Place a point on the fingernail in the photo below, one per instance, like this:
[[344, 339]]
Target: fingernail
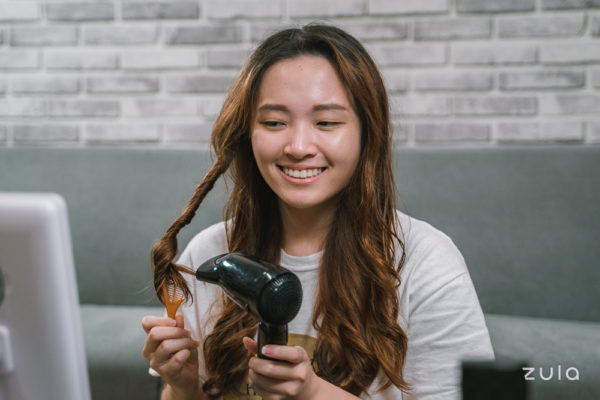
[[265, 350]]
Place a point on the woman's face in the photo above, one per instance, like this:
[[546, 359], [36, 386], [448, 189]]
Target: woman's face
[[305, 133]]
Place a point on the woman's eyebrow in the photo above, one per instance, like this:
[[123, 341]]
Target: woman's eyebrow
[[273, 107], [329, 106], [316, 107]]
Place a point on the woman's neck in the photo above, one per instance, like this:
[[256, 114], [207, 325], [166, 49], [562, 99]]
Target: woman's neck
[[305, 230]]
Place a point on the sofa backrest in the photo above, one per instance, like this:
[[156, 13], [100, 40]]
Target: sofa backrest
[[526, 219]]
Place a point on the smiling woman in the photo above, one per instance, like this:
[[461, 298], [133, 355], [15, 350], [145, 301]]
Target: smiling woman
[[389, 308]]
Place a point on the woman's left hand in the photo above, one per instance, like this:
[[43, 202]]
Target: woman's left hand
[[290, 378]]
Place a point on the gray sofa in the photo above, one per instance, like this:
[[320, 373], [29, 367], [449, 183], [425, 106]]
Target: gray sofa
[[527, 220]]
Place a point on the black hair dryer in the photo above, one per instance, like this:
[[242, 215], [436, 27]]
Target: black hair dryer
[[269, 292]]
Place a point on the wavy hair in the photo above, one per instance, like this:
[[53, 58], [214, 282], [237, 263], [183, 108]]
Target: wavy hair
[[356, 309]]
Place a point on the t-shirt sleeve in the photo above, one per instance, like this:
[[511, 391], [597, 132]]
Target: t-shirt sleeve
[[445, 323]]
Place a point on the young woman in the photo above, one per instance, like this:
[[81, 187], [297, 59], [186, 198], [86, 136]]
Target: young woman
[[389, 309]]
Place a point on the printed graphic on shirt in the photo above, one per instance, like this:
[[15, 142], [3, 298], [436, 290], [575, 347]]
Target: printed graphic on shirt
[[304, 341]]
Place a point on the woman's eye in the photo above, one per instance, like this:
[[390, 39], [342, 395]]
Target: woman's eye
[[272, 124], [327, 124]]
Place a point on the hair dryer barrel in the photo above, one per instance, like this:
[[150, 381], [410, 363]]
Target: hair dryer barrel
[[268, 291]]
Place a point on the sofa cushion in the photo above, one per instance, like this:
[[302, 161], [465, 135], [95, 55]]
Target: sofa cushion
[[546, 345], [114, 338]]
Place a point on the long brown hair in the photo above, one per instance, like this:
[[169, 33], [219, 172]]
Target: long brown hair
[[357, 307]]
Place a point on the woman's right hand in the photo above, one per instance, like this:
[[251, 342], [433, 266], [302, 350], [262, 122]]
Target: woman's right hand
[[172, 353]]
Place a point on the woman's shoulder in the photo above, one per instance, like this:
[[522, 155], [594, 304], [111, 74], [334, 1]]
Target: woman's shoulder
[[428, 251]]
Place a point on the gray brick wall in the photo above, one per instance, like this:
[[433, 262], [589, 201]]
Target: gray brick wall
[[152, 72]]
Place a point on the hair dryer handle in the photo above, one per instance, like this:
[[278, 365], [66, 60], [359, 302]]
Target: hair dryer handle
[[271, 334]]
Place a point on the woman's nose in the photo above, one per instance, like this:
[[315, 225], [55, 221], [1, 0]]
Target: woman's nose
[[301, 142]]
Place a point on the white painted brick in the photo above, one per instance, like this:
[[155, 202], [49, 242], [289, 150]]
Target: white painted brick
[[19, 59], [19, 11], [493, 54], [596, 78], [34, 134], [487, 6], [541, 27], [455, 28], [186, 133], [573, 52], [395, 80], [54, 85], [400, 132], [79, 11], [593, 132], [159, 107], [210, 106], [160, 10], [329, 8], [22, 108], [81, 60], [160, 59], [82, 108], [261, 30], [451, 132], [205, 34], [123, 84], [495, 106], [227, 58], [452, 80], [568, 104], [377, 29], [122, 133], [414, 105], [595, 26], [119, 35], [539, 132], [408, 54], [243, 9], [567, 79], [407, 6], [43, 36], [200, 83], [569, 4]]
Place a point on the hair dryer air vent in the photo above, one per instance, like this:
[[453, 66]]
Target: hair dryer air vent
[[280, 299]]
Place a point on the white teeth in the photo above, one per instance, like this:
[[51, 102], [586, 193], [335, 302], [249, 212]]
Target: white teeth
[[305, 173]]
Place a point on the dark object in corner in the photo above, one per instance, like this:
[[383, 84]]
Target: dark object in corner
[[493, 380]]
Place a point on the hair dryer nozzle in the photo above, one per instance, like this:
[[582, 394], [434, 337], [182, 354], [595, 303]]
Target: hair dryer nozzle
[[209, 271]]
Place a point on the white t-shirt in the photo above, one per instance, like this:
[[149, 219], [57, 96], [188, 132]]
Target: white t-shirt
[[439, 309]]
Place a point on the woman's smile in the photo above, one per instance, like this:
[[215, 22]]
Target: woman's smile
[[301, 176]]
